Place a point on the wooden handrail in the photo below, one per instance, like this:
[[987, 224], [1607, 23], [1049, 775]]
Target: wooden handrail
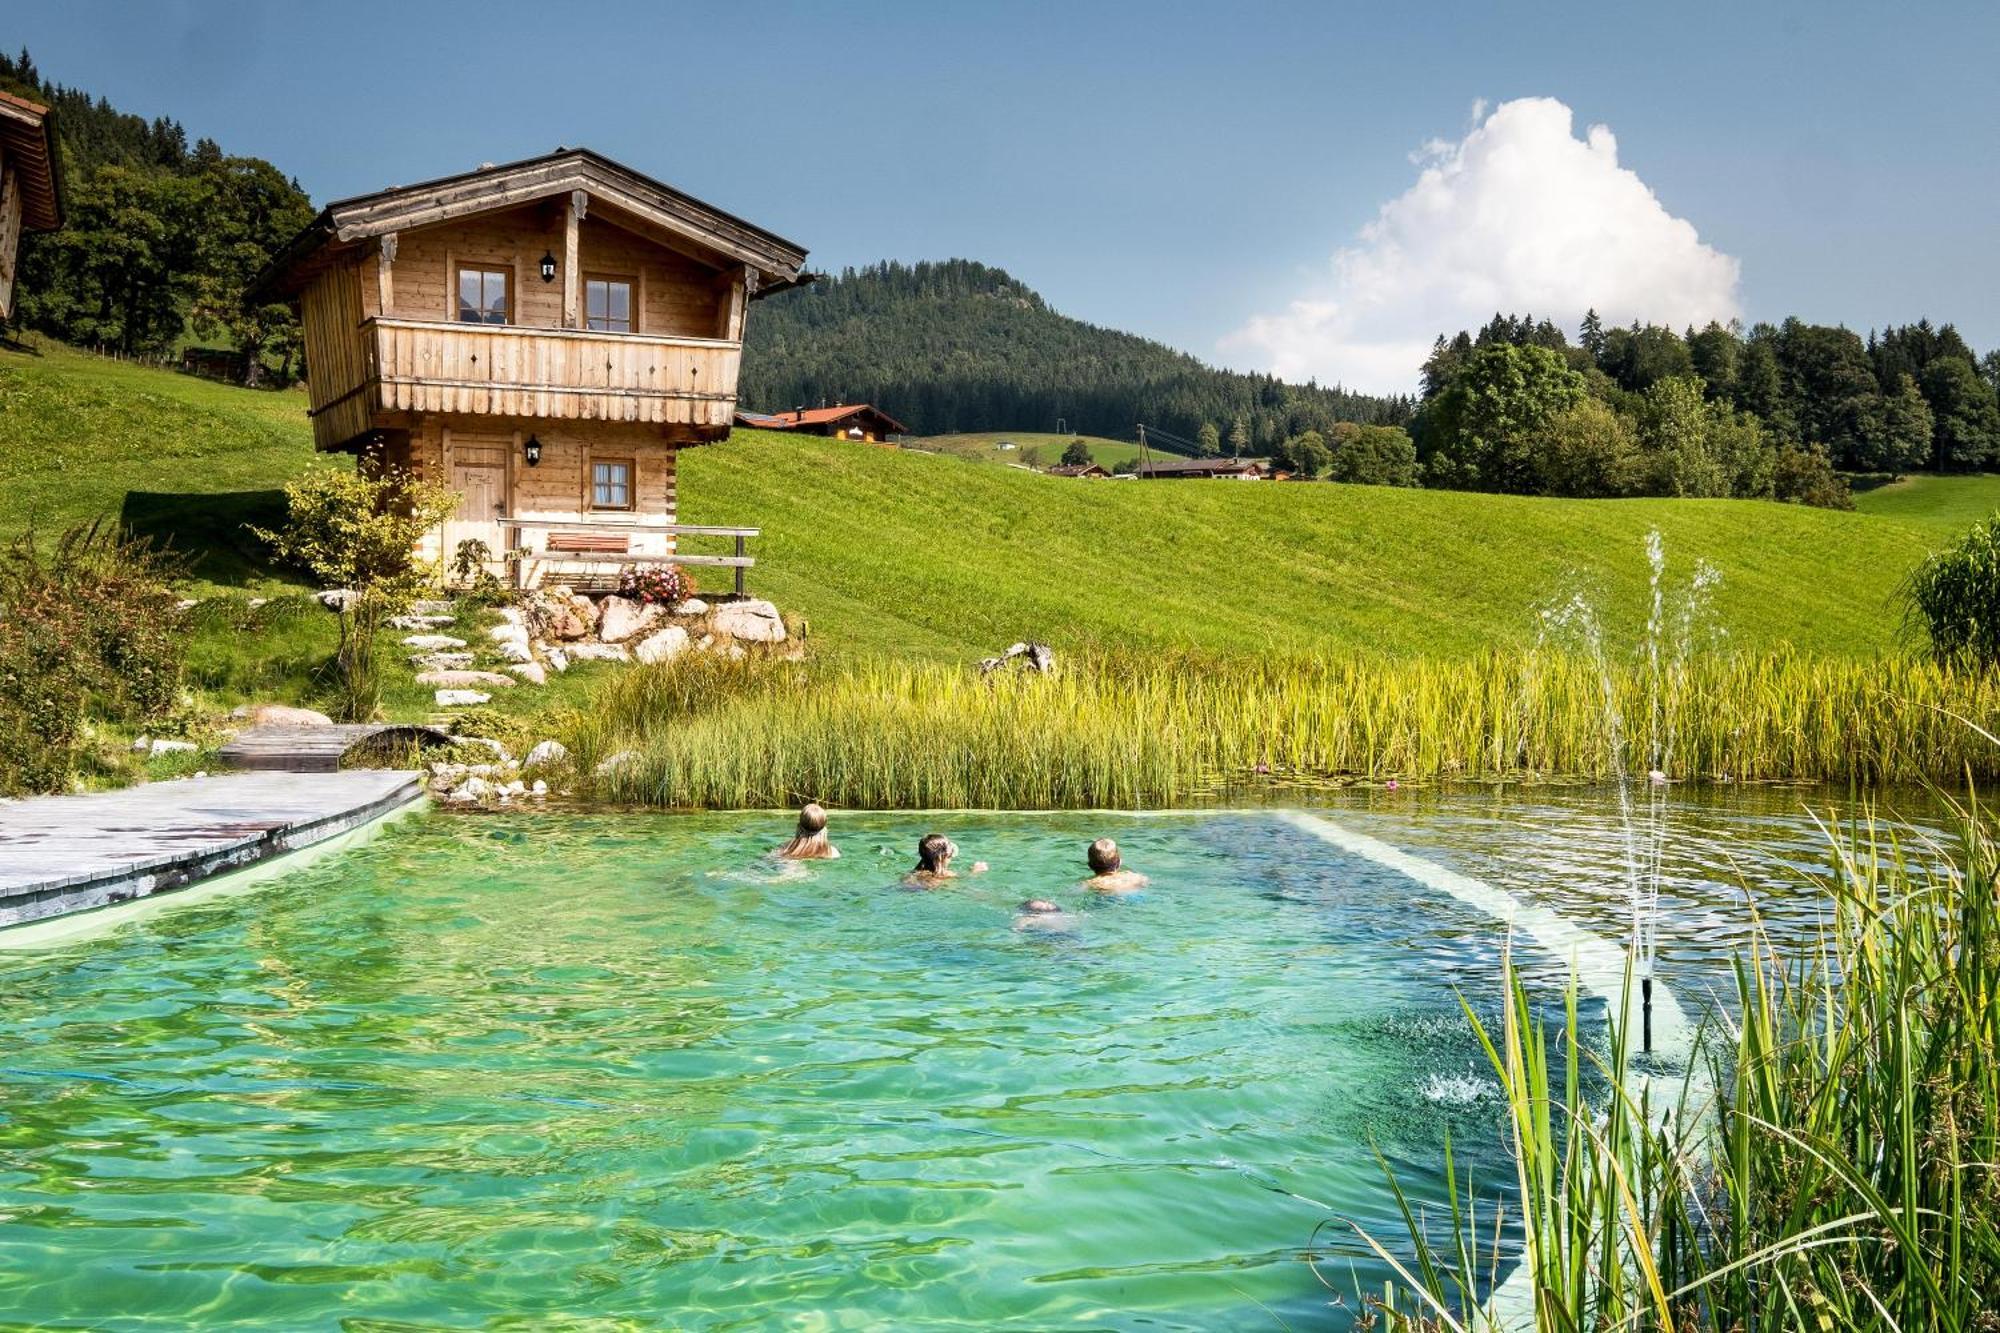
[[627, 525], [530, 331]]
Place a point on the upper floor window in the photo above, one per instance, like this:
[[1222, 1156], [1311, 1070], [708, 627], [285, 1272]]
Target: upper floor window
[[607, 305], [485, 295]]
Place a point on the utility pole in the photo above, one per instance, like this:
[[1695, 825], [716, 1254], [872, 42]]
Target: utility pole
[[1145, 454]]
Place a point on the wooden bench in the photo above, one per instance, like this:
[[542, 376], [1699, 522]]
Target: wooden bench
[[600, 547], [588, 543]]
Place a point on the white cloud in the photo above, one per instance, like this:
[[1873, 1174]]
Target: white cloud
[[1519, 216]]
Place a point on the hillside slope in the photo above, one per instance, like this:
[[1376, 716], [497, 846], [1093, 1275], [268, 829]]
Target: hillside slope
[[896, 552], [957, 346], [1946, 504]]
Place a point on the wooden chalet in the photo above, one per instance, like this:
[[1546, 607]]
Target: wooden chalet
[[1079, 470], [542, 337], [30, 183], [1225, 469], [843, 421]]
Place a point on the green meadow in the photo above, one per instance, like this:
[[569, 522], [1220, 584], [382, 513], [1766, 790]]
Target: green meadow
[[1945, 505], [984, 447], [901, 554]]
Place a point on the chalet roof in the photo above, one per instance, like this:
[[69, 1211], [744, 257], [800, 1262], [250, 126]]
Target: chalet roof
[[652, 205], [28, 137], [1202, 467], [1078, 470], [822, 416]]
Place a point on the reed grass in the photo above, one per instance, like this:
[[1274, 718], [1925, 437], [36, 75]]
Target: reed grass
[[1145, 732], [1844, 1174]]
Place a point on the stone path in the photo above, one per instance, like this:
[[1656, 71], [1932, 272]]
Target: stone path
[[62, 854]]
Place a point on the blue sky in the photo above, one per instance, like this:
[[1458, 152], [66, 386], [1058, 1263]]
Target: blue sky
[[1187, 172]]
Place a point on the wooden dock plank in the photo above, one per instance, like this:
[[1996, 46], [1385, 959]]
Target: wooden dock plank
[[61, 854]]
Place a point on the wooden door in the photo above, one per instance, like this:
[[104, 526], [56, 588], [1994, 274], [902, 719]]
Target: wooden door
[[480, 478]]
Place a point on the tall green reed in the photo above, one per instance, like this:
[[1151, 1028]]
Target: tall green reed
[[1129, 731], [1837, 1168]]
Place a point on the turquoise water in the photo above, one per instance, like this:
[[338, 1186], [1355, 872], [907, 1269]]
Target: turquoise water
[[616, 1071], [624, 1071]]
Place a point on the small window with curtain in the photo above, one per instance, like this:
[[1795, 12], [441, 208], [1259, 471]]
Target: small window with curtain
[[483, 296], [607, 305], [610, 484]]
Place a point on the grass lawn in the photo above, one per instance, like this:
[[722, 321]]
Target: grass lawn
[[174, 456], [1946, 505], [906, 554], [982, 446], [901, 553]]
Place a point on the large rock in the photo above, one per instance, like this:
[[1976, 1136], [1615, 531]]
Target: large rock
[[461, 698], [622, 618], [441, 661], [545, 754], [431, 643], [280, 715], [513, 651], [749, 622], [531, 672], [464, 678], [598, 652], [557, 659], [616, 762], [335, 599], [693, 606], [553, 614], [664, 646], [420, 623], [508, 634]]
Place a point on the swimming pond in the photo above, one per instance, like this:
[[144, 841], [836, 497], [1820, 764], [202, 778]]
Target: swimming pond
[[537, 1070]]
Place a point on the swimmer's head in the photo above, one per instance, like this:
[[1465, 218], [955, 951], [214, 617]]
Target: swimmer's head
[[934, 852], [812, 819], [1040, 907], [1103, 856]]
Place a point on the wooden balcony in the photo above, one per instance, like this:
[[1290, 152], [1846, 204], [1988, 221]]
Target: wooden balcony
[[559, 374]]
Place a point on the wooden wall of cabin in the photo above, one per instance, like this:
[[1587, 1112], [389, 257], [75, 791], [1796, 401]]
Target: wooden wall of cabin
[[673, 295], [555, 490], [336, 354], [10, 232]]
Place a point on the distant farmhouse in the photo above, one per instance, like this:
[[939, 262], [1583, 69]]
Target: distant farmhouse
[[543, 338], [1078, 470], [30, 183], [845, 421], [1226, 469]]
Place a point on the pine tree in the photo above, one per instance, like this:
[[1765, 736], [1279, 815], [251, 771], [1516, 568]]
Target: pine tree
[[1239, 438]]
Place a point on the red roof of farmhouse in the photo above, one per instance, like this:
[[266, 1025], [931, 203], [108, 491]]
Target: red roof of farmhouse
[[820, 416]]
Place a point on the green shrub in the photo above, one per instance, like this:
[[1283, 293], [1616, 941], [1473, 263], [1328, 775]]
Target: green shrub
[[90, 628], [359, 530], [1954, 598]]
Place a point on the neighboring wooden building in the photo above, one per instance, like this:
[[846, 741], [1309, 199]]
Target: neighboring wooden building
[[1078, 470], [30, 183], [1226, 469], [542, 337], [844, 421]]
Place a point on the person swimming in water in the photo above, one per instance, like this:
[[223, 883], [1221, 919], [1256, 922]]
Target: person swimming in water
[[810, 842], [934, 857], [1107, 870], [1041, 915]]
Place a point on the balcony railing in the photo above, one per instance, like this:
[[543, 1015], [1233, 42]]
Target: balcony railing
[[566, 374]]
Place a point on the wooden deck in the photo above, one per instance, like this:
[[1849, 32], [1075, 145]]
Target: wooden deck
[[319, 749], [63, 854]]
